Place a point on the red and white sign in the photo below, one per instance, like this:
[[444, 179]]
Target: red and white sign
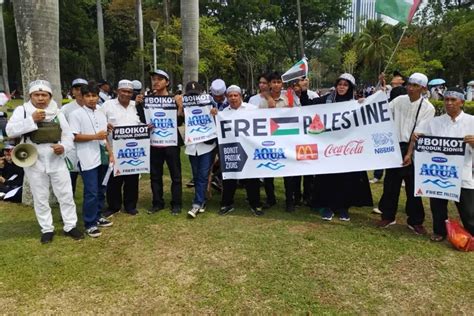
[[353, 147]]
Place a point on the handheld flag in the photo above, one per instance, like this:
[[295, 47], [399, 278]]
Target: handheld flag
[[400, 10], [300, 69]]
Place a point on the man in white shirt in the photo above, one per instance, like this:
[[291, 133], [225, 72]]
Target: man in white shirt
[[455, 123], [67, 109], [120, 112], [234, 96], [263, 90], [89, 127], [28, 122], [409, 111]]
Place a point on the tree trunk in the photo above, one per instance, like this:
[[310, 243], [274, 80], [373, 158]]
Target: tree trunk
[[3, 53], [139, 17], [190, 35], [37, 28], [100, 34], [166, 13], [300, 28]]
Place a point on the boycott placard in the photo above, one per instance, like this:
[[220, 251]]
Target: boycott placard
[[200, 124], [438, 167], [316, 139], [161, 112], [131, 149]]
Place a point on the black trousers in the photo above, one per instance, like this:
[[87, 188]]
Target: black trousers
[[170, 155], [391, 193], [73, 175], [130, 192], [292, 189], [269, 187], [465, 206], [252, 186]]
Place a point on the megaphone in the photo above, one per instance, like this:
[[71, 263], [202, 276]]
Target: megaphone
[[24, 155]]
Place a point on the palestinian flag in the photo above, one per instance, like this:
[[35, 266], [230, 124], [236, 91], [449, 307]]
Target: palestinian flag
[[400, 10], [281, 126], [299, 70]]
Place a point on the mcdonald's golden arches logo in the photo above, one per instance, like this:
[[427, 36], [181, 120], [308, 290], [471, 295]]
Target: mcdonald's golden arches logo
[[307, 152]]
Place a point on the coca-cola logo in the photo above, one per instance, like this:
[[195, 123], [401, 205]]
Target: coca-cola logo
[[353, 147]]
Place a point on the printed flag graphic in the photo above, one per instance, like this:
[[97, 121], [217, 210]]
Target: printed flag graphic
[[280, 126], [400, 10], [300, 69]]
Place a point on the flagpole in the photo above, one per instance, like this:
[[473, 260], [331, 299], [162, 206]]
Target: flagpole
[[396, 47]]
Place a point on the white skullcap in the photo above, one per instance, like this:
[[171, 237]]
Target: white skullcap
[[137, 85], [419, 79], [348, 77], [218, 87], [125, 84], [79, 82], [40, 85], [234, 88]]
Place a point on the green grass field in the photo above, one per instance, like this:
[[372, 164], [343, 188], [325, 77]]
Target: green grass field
[[276, 264]]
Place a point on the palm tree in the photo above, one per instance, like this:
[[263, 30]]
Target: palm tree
[[374, 44], [3, 52], [190, 35], [37, 28], [100, 32]]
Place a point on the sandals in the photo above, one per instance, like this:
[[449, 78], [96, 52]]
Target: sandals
[[437, 238]]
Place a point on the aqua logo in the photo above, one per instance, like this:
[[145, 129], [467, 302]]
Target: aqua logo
[[443, 172], [131, 153], [272, 154]]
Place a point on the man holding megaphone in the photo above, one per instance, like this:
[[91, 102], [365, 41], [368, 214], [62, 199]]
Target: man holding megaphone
[[40, 125]]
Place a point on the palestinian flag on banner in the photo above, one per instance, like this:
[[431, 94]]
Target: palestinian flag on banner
[[282, 126], [300, 69], [400, 10]]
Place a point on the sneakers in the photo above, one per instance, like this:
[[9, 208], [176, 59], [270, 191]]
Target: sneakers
[[93, 232], [326, 214], [176, 210], [226, 210], [109, 213], [155, 209], [257, 211], [384, 223], [202, 209], [46, 238], [376, 210], [268, 205], [132, 212], [193, 211], [103, 222], [344, 215], [417, 229], [374, 180], [74, 234]]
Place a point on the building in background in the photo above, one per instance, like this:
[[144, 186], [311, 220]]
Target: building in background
[[360, 11]]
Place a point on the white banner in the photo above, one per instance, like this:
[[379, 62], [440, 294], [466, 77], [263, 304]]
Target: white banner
[[316, 139], [438, 167], [200, 125], [131, 149], [161, 112]]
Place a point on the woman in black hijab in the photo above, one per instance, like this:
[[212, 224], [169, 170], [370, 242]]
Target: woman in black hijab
[[337, 192]]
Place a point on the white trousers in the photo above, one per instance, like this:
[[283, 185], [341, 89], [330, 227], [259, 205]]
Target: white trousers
[[61, 183]]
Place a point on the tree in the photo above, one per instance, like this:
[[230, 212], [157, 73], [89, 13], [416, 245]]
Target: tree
[[100, 33], [190, 31], [139, 18], [374, 45], [3, 52], [37, 27]]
